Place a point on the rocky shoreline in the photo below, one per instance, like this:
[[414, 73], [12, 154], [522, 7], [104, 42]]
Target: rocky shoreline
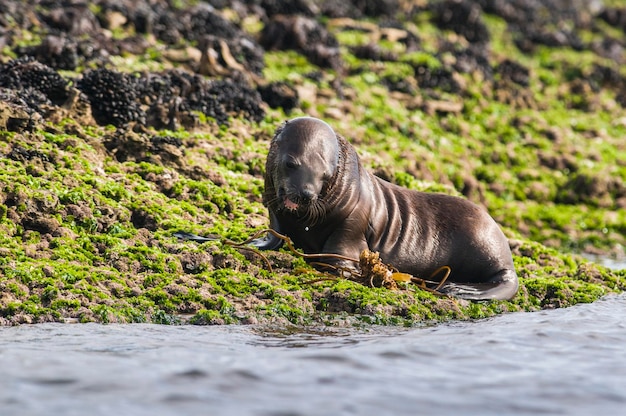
[[124, 122]]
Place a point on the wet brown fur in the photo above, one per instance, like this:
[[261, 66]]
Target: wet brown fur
[[349, 209]]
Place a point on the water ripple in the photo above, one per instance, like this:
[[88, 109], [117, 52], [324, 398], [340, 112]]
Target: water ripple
[[568, 361]]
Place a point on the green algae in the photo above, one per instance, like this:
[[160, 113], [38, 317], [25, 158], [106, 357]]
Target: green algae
[[100, 248]]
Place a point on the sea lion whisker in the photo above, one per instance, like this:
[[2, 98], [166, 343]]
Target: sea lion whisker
[[315, 213]]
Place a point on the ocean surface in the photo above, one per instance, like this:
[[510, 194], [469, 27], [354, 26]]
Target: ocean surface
[[560, 362]]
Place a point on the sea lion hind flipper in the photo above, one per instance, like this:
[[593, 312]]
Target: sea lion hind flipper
[[502, 286]]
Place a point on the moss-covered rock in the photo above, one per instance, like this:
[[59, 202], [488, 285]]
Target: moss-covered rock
[[100, 167]]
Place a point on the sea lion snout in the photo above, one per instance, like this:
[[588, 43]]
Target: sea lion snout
[[306, 196], [295, 199]]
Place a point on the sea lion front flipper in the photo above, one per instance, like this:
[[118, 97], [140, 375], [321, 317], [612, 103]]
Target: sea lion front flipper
[[269, 241], [193, 237]]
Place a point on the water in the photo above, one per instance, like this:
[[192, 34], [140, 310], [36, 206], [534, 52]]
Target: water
[[561, 362]]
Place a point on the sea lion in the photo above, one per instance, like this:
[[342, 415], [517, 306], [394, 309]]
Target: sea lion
[[319, 195]]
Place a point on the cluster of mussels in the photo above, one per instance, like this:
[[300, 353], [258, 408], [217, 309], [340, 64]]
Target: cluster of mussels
[[225, 76]]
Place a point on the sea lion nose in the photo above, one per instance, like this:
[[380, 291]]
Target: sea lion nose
[[307, 195]]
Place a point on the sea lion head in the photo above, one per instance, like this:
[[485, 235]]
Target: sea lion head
[[302, 161]]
